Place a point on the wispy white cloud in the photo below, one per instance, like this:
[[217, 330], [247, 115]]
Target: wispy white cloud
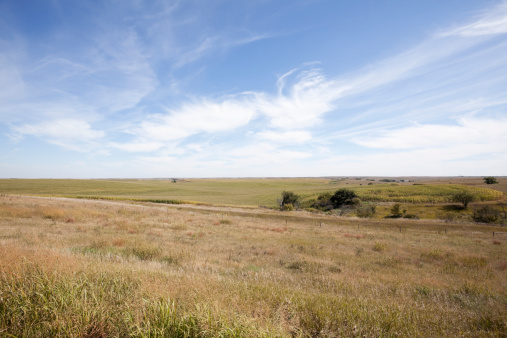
[[310, 95], [11, 82], [260, 154], [306, 100], [64, 129], [453, 160], [77, 135], [443, 95], [491, 22], [468, 131], [213, 44], [199, 117], [286, 137], [138, 146], [197, 52]]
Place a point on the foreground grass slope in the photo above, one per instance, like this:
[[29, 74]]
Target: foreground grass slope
[[92, 268]]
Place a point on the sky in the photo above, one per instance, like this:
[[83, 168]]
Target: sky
[[252, 88]]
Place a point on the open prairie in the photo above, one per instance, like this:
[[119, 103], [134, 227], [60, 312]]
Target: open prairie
[[257, 191], [422, 197], [110, 268]]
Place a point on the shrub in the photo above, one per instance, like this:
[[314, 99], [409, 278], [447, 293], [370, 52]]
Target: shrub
[[288, 207], [490, 180], [486, 214], [355, 201], [323, 202], [343, 197], [288, 197], [366, 211], [396, 211], [379, 247]]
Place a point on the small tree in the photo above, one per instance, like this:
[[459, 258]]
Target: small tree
[[490, 180], [343, 197], [464, 197], [396, 211], [288, 197]]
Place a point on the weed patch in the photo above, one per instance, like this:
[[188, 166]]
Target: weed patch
[[379, 247], [143, 251]]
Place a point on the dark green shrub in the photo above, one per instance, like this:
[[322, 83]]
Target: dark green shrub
[[486, 214], [490, 180], [343, 197], [323, 202], [288, 197]]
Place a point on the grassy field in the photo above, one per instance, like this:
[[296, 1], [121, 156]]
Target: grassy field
[[251, 192], [100, 268]]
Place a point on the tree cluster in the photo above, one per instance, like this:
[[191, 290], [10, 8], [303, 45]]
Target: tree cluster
[[344, 200], [289, 201]]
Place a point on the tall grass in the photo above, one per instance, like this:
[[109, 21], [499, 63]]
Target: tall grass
[[125, 270], [36, 303]]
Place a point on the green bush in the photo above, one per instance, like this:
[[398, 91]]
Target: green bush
[[288, 197], [490, 180], [486, 214], [323, 202], [343, 197]]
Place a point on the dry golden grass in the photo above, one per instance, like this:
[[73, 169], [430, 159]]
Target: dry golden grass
[[164, 270]]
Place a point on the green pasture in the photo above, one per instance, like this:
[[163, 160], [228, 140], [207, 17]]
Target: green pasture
[[244, 192]]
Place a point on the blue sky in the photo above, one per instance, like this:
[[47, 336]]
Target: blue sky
[[119, 88]]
